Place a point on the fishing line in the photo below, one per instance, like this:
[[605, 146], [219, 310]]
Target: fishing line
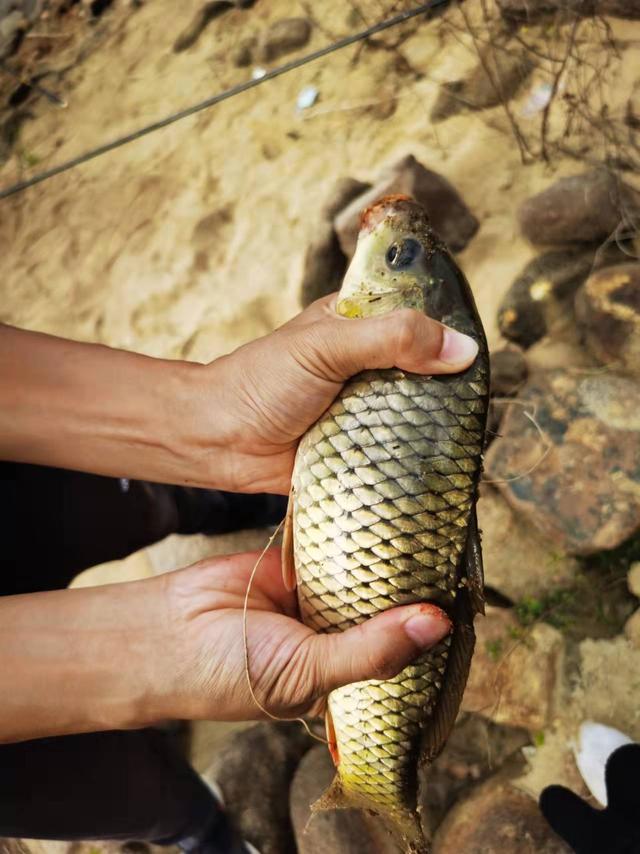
[[245, 642], [225, 95]]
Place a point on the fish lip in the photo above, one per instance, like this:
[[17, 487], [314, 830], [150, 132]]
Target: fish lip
[[381, 208]]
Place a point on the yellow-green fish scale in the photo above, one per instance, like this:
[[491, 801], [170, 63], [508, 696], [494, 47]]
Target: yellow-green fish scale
[[383, 487]]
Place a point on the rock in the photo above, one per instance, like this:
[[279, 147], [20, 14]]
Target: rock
[[516, 677], [450, 216], [578, 482], [632, 629], [497, 819], [495, 80], [332, 831], [254, 769], [324, 262], [541, 293], [474, 750], [344, 191], [12, 28], [203, 17], [508, 371], [518, 562], [633, 579], [562, 349], [583, 208], [283, 36], [608, 311], [324, 266]]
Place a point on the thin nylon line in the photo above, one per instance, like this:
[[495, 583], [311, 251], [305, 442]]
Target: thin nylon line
[[221, 96]]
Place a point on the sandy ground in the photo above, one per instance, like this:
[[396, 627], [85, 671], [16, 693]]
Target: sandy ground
[[190, 241]]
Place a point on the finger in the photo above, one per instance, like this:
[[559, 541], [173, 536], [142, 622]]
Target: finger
[[572, 818], [377, 649], [405, 339]]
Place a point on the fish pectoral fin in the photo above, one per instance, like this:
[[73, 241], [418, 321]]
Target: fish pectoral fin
[[473, 567], [288, 562]]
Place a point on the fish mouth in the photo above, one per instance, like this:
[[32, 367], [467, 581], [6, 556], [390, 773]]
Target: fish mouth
[[395, 204]]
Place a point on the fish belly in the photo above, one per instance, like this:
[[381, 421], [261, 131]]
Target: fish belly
[[382, 492]]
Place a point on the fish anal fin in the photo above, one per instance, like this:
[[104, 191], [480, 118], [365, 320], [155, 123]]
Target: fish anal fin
[[439, 726], [333, 798], [288, 561]]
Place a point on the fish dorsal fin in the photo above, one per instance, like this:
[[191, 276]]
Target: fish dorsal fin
[[288, 561], [472, 564]]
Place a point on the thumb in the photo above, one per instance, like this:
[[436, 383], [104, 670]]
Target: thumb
[[376, 649], [405, 339]]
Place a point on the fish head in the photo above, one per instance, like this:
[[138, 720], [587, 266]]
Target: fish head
[[400, 262]]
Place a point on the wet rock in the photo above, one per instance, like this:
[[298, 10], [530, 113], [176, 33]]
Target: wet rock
[[332, 831], [497, 819], [541, 294], [578, 482], [633, 579], [475, 749], [254, 769], [324, 266], [518, 562], [282, 37], [608, 311], [632, 629], [516, 675], [508, 371], [583, 208], [450, 216], [495, 80]]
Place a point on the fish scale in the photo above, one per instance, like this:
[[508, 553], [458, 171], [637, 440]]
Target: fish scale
[[371, 534]]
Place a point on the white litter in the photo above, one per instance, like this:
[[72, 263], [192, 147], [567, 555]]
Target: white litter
[[596, 743], [537, 100], [307, 97], [258, 72]]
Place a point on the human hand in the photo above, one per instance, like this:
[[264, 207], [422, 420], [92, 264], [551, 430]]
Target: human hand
[[270, 391], [292, 668]]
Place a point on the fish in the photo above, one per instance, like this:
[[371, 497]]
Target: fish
[[382, 514]]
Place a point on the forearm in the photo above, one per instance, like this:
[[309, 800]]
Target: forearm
[[82, 660], [110, 412]]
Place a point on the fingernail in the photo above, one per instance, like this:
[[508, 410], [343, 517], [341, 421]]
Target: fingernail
[[457, 348], [428, 627]]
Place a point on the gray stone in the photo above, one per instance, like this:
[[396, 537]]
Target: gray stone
[[508, 370], [332, 831], [497, 818], [282, 37], [497, 77], [254, 769], [344, 191], [450, 216], [578, 482], [583, 208], [608, 311]]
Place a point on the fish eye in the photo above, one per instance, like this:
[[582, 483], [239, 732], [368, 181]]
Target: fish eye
[[402, 254]]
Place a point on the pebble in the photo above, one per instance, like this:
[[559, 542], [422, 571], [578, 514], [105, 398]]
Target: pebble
[[282, 37], [583, 208], [608, 312], [497, 818], [579, 483], [449, 214], [496, 78], [254, 768]]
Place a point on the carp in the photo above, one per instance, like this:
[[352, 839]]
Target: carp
[[382, 513]]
